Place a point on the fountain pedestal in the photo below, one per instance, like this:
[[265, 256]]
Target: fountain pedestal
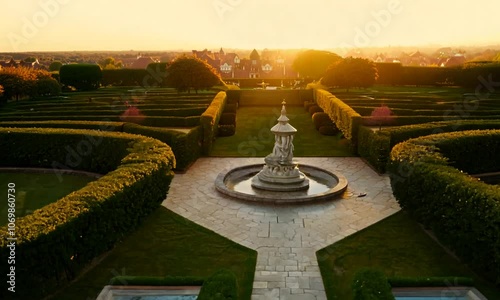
[[281, 173]]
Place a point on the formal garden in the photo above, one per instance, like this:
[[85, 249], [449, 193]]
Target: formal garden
[[114, 185]]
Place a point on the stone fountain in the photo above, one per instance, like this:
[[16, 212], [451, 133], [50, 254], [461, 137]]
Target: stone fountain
[[281, 173], [279, 179]]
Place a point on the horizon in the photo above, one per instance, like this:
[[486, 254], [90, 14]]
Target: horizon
[[70, 26]]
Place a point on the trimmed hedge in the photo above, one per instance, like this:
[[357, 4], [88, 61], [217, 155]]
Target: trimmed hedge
[[57, 241], [146, 121], [84, 77], [158, 112], [463, 212], [186, 146], [371, 284], [346, 119], [375, 146], [227, 119], [412, 120], [210, 121]]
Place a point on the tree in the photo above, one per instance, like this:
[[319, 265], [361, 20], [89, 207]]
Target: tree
[[314, 63], [22, 81], [186, 73], [47, 87], [382, 115], [1, 90], [55, 66], [110, 64], [83, 77], [351, 72], [17, 82]]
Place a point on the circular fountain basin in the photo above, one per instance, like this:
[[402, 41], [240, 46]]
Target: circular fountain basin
[[323, 185]]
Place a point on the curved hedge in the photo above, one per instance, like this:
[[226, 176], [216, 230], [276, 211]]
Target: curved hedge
[[375, 146], [346, 119], [185, 145], [463, 212], [57, 241], [210, 121]]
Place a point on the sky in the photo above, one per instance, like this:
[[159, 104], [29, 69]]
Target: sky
[[72, 25]]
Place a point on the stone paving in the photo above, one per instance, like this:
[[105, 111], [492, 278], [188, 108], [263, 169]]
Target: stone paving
[[286, 237]]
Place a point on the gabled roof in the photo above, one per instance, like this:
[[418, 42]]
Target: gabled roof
[[254, 55], [142, 63]]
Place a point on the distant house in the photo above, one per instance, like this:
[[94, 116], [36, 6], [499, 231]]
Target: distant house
[[456, 60], [141, 62], [12, 63], [269, 65]]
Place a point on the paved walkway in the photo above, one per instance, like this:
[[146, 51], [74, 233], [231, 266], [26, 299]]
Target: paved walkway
[[285, 237]]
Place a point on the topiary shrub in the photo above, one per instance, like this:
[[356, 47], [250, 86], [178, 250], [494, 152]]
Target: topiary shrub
[[314, 109], [329, 130], [226, 130], [321, 119], [227, 119], [308, 104], [371, 284]]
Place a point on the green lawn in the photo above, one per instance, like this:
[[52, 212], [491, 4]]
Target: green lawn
[[254, 138], [168, 244], [35, 190], [397, 246]]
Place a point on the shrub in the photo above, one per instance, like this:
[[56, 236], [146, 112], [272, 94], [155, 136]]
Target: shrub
[[210, 121], [308, 104], [47, 87], [329, 130], [370, 284], [227, 119], [321, 119], [83, 77], [463, 212], [57, 241], [314, 109], [220, 286], [226, 130]]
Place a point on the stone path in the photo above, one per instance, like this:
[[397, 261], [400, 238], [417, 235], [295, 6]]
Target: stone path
[[285, 237]]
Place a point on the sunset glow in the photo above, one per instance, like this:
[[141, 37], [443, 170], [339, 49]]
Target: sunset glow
[[48, 25]]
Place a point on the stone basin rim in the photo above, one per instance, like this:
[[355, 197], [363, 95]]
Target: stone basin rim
[[338, 189]]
